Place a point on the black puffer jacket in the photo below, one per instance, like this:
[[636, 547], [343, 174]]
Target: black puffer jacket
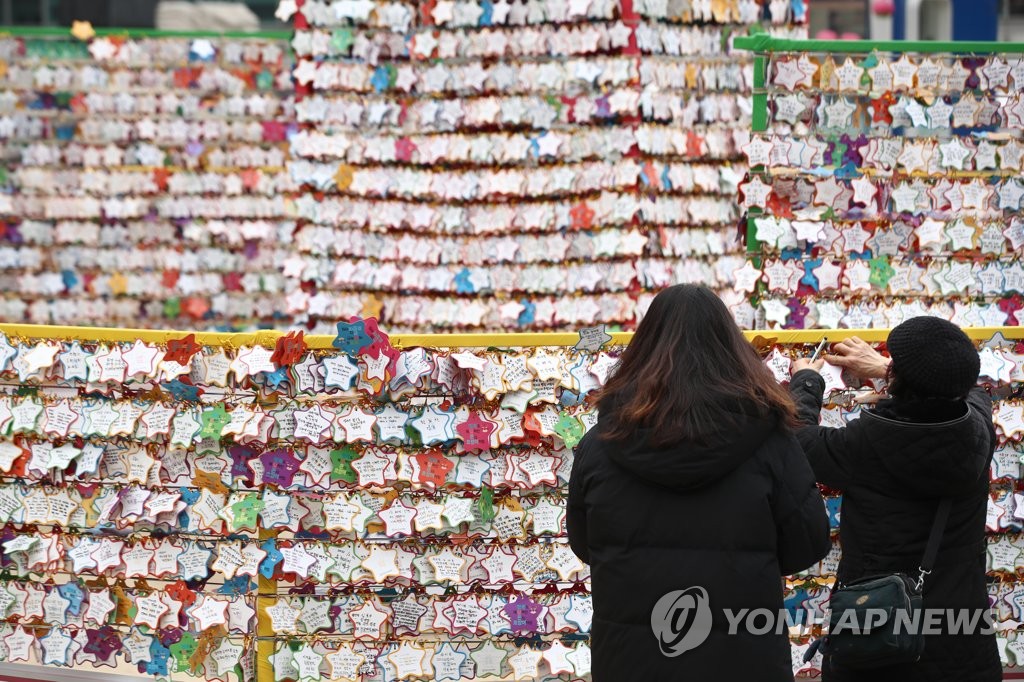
[[731, 518], [892, 466]]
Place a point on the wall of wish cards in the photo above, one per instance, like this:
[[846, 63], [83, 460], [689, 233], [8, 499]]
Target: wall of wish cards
[[143, 179], [347, 512], [886, 185], [274, 507], [448, 165], [532, 165]]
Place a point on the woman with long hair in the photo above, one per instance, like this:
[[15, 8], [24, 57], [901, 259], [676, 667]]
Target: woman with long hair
[[689, 500]]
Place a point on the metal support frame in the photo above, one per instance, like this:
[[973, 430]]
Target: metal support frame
[[497, 340], [764, 43]]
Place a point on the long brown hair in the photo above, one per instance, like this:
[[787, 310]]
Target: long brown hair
[[687, 374]]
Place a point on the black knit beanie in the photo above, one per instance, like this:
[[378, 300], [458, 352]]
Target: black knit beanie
[[933, 357]]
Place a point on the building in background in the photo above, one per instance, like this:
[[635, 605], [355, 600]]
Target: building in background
[[1011, 21], [874, 19], [839, 18], [918, 19], [176, 15], [949, 19]]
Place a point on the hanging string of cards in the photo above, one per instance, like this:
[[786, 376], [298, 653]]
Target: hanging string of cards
[[409, 504], [886, 188], [536, 165], [144, 180]]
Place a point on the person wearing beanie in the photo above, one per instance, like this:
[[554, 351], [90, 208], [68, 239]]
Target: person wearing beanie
[[931, 439]]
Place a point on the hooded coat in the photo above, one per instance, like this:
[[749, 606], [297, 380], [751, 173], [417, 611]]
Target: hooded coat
[[732, 518], [893, 465]]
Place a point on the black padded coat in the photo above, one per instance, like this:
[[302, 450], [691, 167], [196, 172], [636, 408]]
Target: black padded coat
[[893, 464], [731, 518]]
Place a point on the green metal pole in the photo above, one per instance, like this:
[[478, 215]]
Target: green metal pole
[[759, 114], [765, 43]]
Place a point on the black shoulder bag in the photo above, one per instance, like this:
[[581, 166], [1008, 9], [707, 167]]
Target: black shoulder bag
[[875, 621]]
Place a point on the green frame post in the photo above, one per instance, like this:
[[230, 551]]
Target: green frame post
[[762, 43], [759, 113]]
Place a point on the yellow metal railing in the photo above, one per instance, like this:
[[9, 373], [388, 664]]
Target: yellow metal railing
[[486, 340]]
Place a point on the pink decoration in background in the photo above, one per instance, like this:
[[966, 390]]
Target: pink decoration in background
[[883, 8]]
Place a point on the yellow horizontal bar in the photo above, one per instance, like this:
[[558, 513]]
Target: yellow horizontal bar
[[269, 337], [113, 334], [793, 336], [498, 340]]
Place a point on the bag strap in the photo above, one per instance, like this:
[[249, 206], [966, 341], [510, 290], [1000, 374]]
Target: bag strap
[[931, 550]]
